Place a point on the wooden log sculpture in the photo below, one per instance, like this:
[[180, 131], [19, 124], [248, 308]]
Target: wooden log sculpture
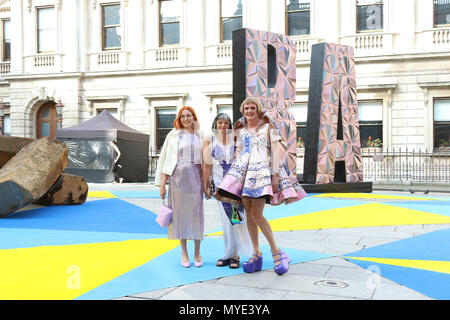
[[30, 173], [10, 146], [68, 189]]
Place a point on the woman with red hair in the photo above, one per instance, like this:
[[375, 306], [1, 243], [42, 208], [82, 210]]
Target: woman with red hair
[[180, 164]]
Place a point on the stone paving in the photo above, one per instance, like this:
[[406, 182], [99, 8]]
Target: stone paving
[[332, 278]]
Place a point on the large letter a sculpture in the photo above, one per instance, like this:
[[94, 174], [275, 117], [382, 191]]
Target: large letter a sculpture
[[332, 142]]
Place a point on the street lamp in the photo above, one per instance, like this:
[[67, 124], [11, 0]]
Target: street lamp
[[2, 114], [59, 107]]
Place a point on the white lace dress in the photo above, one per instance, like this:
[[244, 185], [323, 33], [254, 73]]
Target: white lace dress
[[236, 237]]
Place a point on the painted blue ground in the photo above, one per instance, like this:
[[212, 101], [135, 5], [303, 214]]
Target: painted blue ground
[[109, 215], [432, 284], [117, 220], [166, 271], [434, 246], [136, 194], [12, 238], [430, 246]]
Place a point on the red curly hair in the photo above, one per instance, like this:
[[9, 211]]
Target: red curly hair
[[177, 123]]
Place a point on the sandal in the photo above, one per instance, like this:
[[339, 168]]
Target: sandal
[[283, 265], [235, 263], [223, 262], [254, 264]]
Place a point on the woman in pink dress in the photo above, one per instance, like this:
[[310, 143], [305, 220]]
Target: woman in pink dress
[[256, 177], [180, 164]]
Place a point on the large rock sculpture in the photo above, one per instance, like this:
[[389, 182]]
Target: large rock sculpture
[[67, 190], [10, 146], [31, 173]]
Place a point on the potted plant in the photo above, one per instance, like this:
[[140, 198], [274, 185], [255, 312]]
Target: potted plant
[[374, 143], [444, 143]]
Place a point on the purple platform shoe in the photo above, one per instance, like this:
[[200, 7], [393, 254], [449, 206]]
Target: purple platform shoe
[[283, 267], [256, 265]]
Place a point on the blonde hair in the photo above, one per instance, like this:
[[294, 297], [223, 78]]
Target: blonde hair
[[250, 100]]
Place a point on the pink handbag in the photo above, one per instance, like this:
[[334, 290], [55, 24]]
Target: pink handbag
[[164, 216]]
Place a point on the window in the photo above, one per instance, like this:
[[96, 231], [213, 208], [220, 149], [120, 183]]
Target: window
[[164, 123], [47, 121], [231, 18], [6, 45], [300, 113], [297, 18], [442, 123], [225, 109], [113, 104], [169, 19], [369, 15], [111, 111], [112, 31], [371, 123], [46, 24], [7, 125], [441, 10]]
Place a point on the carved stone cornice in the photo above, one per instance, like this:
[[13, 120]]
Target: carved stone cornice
[[58, 4], [5, 5]]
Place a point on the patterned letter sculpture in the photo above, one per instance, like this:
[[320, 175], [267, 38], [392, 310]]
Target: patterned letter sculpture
[[264, 67], [332, 143]]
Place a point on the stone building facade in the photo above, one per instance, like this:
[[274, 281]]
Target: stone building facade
[[143, 59]]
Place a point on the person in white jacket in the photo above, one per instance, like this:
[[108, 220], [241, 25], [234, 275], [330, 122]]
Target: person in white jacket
[[180, 164]]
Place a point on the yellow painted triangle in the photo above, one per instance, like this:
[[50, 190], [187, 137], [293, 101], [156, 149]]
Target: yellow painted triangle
[[370, 196], [365, 215], [66, 272], [430, 265], [100, 194]]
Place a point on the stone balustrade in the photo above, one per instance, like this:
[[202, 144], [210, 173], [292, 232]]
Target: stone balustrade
[[5, 68]]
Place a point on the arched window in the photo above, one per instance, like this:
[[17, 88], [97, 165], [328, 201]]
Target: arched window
[[47, 121]]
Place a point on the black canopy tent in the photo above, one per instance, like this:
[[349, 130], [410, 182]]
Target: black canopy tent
[[91, 153]]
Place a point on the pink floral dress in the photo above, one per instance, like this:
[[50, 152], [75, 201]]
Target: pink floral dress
[[251, 171]]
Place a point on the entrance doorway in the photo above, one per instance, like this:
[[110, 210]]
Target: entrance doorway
[[47, 121]]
